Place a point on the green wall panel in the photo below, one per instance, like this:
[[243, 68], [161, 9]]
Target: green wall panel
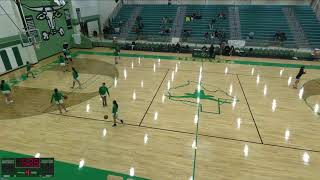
[[17, 55], [5, 60], [52, 37]]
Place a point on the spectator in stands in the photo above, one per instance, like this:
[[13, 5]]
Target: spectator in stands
[[133, 44], [211, 51], [213, 20], [206, 35], [204, 48], [197, 15], [222, 46], [280, 36], [232, 51], [251, 35], [221, 15], [216, 34], [212, 36], [210, 25], [178, 47], [226, 50], [187, 33]]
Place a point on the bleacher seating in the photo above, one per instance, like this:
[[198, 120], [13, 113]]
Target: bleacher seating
[[123, 15], [310, 24], [200, 26], [151, 18], [263, 20]]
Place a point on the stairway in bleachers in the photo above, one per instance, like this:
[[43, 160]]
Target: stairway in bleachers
[[310, 24], [295, 27], [234, 23]]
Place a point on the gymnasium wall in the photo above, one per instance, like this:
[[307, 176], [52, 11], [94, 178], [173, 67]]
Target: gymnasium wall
[[94, 8], [53, 31], [204, 2], [12, 54]]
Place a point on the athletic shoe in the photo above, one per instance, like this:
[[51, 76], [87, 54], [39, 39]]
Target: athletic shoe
[[121, 121], [114, 125]]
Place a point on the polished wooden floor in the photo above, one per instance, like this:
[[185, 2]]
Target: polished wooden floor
[[246, 140]]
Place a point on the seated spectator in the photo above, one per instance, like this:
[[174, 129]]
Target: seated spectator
[[251, 35], [213, 20], [226, 50], [178, 47], [232, 51], [204, 48], [210, 25], [187, 33], [212, 36], [133, 44], [221, 15], [206, 35], [197, 15], [216, 34]]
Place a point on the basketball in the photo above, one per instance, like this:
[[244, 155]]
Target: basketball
[[105, 116], [65, 97]]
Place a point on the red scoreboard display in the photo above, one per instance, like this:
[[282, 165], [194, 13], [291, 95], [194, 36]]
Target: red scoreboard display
[[27, 167]]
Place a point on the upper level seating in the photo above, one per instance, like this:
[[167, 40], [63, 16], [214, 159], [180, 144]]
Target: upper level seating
[[264, 21], [310, 24], [151, 18], [200, 26]]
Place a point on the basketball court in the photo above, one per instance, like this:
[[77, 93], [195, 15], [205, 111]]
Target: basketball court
[[183, 119]]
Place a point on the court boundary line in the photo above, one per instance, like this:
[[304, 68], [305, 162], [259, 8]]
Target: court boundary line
[[245, 97], [154, 97]]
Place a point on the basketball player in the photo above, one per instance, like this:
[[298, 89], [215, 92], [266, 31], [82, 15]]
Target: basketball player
[[67, 54], [58, 100], [75, 76], [62, 63], [6, 91], [28, 65], [103, 91], [116, 54], [301, 72], [115, 113]]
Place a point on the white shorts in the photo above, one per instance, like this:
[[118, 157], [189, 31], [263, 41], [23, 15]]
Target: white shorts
[[68, 56], [62, 64], [103, 95], [6, 92], [59, 102]]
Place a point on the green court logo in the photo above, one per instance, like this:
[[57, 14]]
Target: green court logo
[[210, 97]]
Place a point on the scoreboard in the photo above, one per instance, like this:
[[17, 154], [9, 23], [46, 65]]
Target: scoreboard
[[27, 167]]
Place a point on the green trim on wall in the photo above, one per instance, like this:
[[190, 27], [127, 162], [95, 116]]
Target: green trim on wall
[[17, 55], [9, 41], [5, 60]]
